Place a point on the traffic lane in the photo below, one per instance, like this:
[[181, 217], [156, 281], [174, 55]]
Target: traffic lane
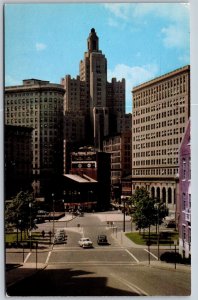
[[95, 231], [155, 281], [16, 257], [37, 256], [58, 280], [91, 255], [103, 280]]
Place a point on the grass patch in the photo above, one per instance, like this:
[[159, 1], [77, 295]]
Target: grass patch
[[165, 238], [12, 237]]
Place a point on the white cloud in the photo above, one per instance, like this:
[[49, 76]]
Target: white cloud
[[40, 46], [133, 75], [174, 36], [119, 10], [127, 11], [113, 22]]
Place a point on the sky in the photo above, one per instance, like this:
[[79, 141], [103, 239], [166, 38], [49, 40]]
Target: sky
[[141, 41]]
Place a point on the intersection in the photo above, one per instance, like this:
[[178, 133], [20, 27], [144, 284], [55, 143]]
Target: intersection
[[121, 268]]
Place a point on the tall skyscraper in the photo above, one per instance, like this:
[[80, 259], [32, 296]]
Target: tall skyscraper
[[161, 109], [102, 104]]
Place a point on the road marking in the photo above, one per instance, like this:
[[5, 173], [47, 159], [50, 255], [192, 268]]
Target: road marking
[[95, 249], [48, 256], [151, 254], [94, 263], [132, 286], [27, 257], [132, 255]]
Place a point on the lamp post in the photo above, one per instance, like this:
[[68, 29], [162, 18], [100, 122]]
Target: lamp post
[[157, 210], [124, 201], [20, 228], [17, 226], [30, 231], [65, 212], [53, 213]]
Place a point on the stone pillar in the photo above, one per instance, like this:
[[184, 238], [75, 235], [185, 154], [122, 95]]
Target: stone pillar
[[166, 196], [172, 193]]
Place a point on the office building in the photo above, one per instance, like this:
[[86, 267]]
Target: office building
[[89, 95], [119, 147], [18, 159], [161, 109], [39, 105]]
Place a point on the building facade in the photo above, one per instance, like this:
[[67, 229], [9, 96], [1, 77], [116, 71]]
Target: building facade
[[119, 147], [89, 95], [88, 183], [39, 105], [18, 159], [184, 196], [161, 109]]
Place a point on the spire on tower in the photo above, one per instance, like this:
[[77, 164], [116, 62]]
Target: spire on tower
[[92, 41]]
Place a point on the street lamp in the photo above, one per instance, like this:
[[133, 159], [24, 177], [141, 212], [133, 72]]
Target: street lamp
[[124, 201], [30, 231], [157, 210], [65, 212], [20, 228], [53, 213]]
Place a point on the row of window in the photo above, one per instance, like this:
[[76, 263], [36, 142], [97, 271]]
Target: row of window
[[158, 143], [153, 162], [162, 172], [32, 101], [160, 96]]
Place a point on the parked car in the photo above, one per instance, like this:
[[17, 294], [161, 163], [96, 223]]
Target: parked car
[[60, 236], [102, 240], [85, 243], [59, 239], [170, 224], [43, 212]]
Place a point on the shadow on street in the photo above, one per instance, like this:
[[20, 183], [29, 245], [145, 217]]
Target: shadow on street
[[64, 282]]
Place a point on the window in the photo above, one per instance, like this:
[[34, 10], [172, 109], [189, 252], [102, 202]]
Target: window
[[189, 200], [189, 167], [184, 168], [184, 232], [183, 201]]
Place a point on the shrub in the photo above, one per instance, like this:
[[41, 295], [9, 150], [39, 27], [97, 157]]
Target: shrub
[[171, 257]]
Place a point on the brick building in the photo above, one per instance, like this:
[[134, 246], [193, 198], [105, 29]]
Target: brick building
[[184, 195], [88, 183]]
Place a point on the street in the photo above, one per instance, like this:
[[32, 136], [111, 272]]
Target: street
[[118, 269]]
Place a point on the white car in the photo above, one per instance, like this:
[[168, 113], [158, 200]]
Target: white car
[[85, 243]]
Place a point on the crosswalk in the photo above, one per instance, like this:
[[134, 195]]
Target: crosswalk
[[111, 255]]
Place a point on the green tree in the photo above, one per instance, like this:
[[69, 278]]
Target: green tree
[[21, 211], [147, 211]]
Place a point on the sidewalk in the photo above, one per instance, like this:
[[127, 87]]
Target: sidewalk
[[123, 240], [127, 243]]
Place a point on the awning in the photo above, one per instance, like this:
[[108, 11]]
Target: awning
[[80, 179]]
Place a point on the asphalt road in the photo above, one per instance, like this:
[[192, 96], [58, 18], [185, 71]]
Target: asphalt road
[[113, 270]]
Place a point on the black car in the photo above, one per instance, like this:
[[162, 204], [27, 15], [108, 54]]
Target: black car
[[102, 240]]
